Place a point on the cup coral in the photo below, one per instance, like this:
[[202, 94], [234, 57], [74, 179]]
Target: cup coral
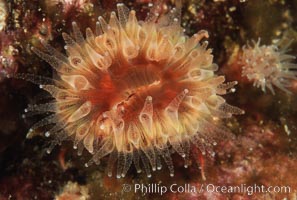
[[135, 90], [268, 66], [3, 15]]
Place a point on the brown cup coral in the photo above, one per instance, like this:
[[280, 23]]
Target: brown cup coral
[[267, 66], [133, 91]]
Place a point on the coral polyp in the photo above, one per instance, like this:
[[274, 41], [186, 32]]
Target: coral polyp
[[135, 91], [71, 5], [267, 66], [3, 15]]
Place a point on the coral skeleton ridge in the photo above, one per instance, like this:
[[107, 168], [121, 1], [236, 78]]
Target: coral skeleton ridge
[[134, 91]]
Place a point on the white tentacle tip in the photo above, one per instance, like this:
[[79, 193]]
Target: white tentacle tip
[[149, 98], [47, 134]]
